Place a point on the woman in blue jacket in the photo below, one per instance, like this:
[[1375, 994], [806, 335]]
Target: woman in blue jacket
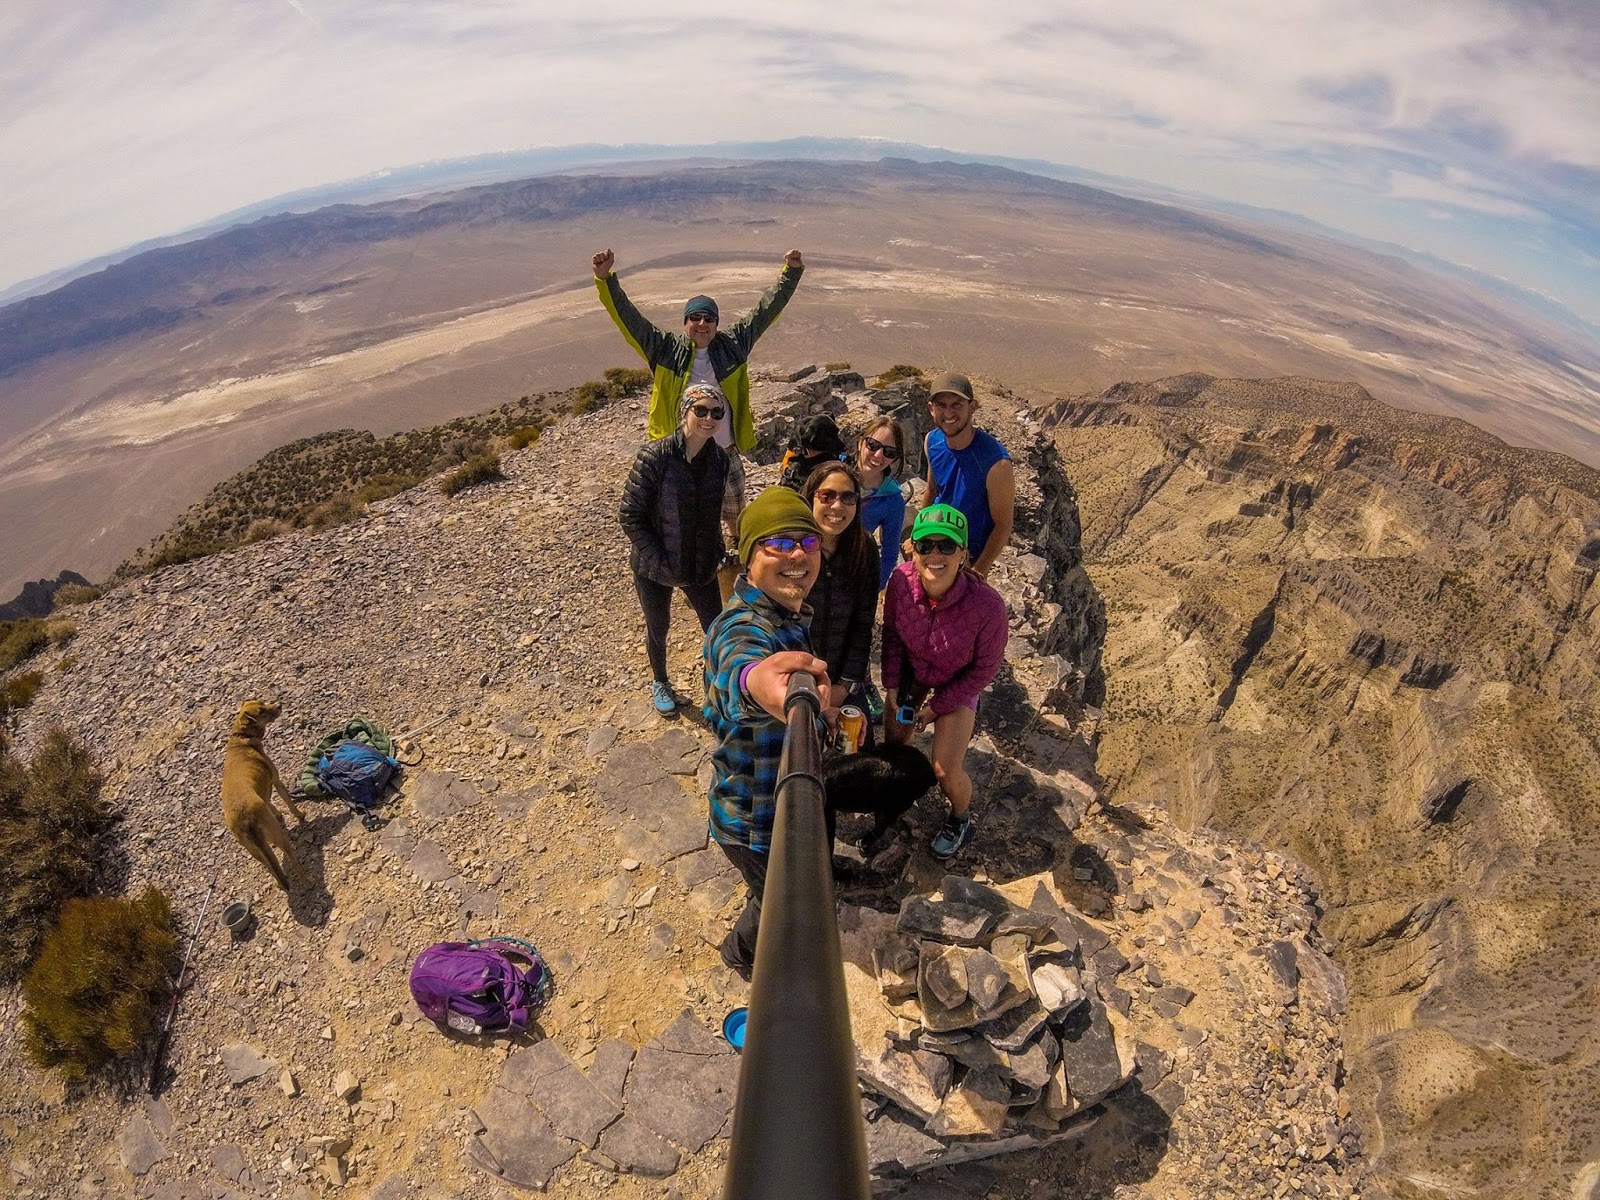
[[880, 455]]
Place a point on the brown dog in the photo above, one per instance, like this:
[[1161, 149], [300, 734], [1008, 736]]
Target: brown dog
[[248, 781]]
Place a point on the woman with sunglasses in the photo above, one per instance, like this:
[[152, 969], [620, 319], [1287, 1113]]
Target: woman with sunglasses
[[844, 600], [671, 505], [944, 638], [880, 453]]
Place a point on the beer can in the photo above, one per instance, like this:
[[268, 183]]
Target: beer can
[[852, 728]]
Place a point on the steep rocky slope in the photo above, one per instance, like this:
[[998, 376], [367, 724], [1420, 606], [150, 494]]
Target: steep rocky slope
[[1371, 639], [553, 803]]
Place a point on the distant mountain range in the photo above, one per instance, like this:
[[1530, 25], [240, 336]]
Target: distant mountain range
[[442, 175]]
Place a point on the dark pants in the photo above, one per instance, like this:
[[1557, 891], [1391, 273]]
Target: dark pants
[[656, 601], [752, 864]]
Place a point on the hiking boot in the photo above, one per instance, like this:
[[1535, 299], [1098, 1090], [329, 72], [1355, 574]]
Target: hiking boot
[[661, 696], [874, 699], [732, 959], [953, 837]]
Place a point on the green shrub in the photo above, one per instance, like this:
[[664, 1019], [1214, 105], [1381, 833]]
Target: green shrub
[[21, 640], [591, 396], [384, 486], [18, 692], [618, 382], [521, 439], [483, 469], [76, 593], [92, 994], [842, 364], [264, 528], [896, 372], [186, 549], [54, 834]]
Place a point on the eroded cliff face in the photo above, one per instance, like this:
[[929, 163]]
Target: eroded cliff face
[[1371, 638]]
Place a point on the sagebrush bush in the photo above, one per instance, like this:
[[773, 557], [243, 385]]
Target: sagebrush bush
[[521, 439], [483, 469], [842, 364], [69, 594], [18, 692], [21, 640], [898, 371], [92, 993], [618, 382], [54, 835]]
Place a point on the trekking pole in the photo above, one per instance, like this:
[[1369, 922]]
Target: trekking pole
[[797, 1127], [177, 991]]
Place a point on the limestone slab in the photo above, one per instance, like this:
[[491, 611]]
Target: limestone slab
[[637, 1151], [244, 1063], [139, 1147]]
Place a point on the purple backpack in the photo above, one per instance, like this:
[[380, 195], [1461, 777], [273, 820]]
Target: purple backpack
[[492, 986]]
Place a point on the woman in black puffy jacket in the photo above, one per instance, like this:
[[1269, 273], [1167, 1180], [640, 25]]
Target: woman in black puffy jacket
[[671, 505]]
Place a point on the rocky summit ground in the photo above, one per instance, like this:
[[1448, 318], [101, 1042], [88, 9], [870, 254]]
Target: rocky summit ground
[[498, 629]]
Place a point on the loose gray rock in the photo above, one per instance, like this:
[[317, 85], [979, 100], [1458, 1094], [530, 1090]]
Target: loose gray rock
[[243, 1063], [945, 921], [139, 1147], [637, 1151], [1089, 1053]]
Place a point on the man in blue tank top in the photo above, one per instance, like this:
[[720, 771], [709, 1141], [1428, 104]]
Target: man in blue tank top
[[970, 470]]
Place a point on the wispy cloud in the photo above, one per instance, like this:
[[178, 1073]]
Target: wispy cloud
[[123, 121]]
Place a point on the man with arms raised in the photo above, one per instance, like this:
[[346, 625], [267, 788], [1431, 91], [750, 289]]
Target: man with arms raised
[[758, 641], [969, 470], [703, 353]]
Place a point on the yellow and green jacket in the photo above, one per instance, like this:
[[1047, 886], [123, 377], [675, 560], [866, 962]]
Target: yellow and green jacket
[[671, 355]]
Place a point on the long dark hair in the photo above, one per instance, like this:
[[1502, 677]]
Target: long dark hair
[[899, 432], [856, 551]]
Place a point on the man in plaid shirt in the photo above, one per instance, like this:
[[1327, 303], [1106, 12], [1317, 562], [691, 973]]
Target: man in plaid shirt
[[760, 639]]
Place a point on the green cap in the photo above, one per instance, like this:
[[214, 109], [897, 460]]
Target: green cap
[[779, 510], [941, 520]]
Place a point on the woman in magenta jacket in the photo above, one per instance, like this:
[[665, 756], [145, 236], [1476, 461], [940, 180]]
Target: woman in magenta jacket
[[944, 638]]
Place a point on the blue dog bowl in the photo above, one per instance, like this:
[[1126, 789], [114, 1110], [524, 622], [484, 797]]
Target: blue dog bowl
[[733, 1027]]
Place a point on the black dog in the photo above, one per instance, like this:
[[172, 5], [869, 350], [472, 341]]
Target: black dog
[[882, 780]]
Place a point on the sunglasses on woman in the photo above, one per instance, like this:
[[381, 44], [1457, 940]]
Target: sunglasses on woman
[[828, 496], [788, 545], [935, 545], [874, 446], [706, 414]]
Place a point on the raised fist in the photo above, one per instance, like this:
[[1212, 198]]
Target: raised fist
[[792, 259], [605, 260]]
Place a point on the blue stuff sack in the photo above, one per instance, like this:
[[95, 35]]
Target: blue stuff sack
[[357, 774]]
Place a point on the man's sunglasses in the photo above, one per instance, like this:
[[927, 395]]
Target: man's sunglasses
[[829, 496], [935, 545], [696, 318], [788, 545], [874, 446], [706, 414]]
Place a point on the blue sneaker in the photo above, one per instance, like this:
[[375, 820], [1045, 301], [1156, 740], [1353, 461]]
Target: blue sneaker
[[953, 837], [661, 696]]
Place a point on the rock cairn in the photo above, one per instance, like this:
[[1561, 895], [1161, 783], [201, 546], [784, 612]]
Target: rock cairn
[[998, 1040]]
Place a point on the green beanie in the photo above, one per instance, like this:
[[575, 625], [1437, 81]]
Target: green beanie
[[776, 510]]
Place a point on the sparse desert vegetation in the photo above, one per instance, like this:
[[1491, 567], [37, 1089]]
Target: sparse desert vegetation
[[484, 468], [54, 839], [618, 382], [326, 480], [91, 995]]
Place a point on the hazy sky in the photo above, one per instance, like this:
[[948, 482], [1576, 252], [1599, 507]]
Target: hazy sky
[[1468, 128]]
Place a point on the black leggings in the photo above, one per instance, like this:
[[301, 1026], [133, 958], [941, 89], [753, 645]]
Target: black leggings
[[656, 601]]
